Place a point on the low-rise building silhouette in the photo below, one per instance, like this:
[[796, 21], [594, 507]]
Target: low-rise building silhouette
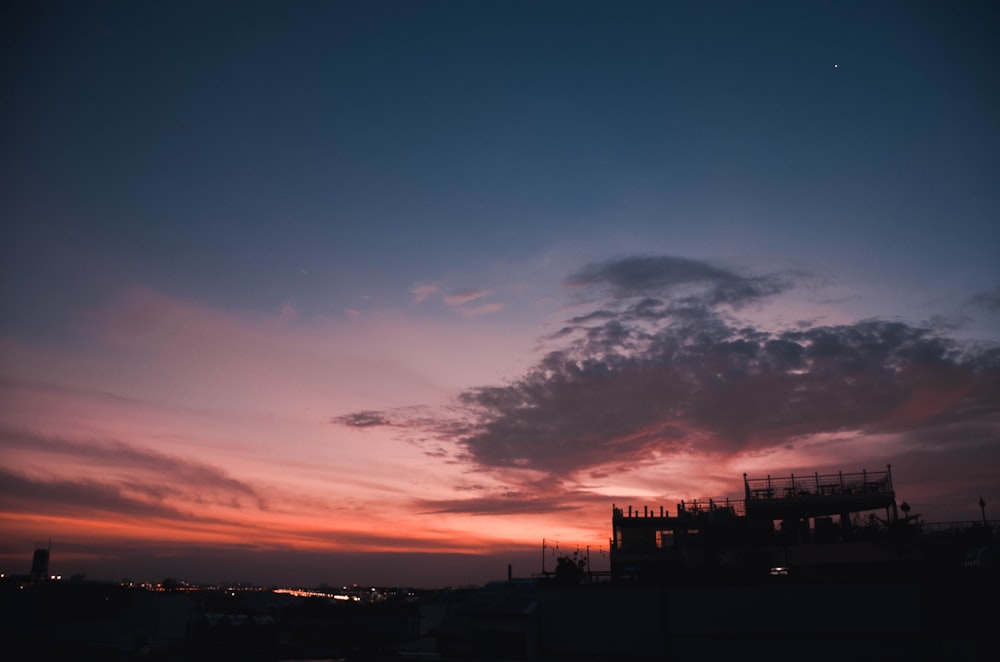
[[815, 522]]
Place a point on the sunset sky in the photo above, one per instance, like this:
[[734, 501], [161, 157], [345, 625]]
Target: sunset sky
[[390, 292]]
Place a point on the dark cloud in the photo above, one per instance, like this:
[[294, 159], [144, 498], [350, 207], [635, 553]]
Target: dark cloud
[[664, 375], [660, 275], [361, 419], [618, 395], [989, 300]]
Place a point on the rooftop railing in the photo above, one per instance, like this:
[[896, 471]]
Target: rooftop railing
[[695, 507], [772, 487], [818, 485], [686, 508]]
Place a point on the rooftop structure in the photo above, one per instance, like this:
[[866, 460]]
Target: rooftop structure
[[819, 495]]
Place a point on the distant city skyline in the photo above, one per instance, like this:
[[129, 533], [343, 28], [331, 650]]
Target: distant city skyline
[[390, 292]]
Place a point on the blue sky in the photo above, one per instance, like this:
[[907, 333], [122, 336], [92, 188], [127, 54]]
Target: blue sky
[[224, 150], [391, 204]]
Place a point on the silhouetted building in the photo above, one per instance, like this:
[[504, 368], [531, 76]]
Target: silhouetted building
[[781, 522], [40, 564]]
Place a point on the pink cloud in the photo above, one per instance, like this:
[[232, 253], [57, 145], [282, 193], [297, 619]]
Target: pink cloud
[[169, 420], [423, 291], [462, 298]]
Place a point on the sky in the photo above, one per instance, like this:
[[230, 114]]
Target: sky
[[405, 292]]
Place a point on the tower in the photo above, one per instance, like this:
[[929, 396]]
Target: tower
[[40, 563]]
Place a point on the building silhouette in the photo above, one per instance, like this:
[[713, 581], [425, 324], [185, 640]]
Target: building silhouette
[[815, 522], [40, 564]]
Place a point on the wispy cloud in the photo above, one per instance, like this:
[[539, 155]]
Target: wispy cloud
[[485, 309], [465, 296], [25, 495], [423, 291], [362, 419], [149, 477], [675, 276], [530, 498], [511, 504], [458, 300], [119, 491]]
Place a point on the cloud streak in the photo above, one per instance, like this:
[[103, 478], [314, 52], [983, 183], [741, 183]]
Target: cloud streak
[[673, 276], [464, 297], [150, 478]]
